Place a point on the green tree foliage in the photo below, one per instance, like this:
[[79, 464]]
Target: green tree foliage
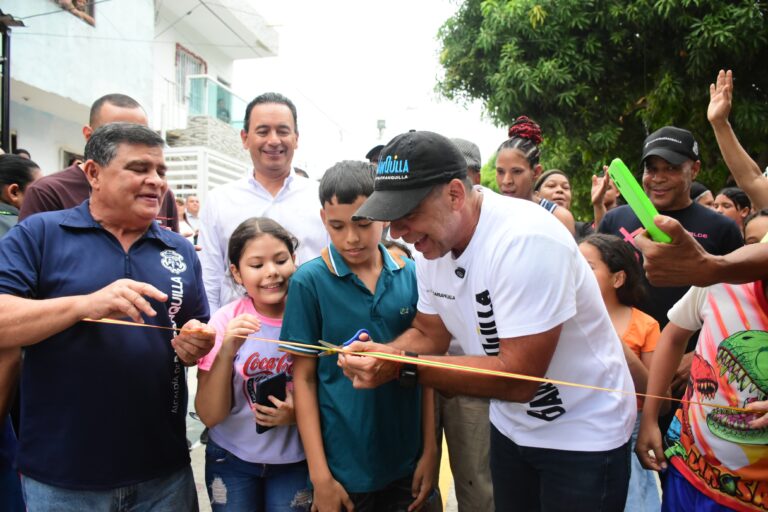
[[488, 174], [599, 75]]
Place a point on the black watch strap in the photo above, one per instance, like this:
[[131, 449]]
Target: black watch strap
[[409, 373]]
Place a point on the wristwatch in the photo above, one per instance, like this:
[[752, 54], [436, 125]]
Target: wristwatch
[[408, 372]]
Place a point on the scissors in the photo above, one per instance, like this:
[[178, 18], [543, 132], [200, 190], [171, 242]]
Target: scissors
[[351, 340]]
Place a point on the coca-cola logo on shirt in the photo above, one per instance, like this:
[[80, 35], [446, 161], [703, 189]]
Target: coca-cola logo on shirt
[[256, 365]]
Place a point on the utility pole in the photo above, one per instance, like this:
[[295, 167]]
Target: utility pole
[[6, 22]]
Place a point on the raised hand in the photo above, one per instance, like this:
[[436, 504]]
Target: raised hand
[[600, 187], [720, 98]]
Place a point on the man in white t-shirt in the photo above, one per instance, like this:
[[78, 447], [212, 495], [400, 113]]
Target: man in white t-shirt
[[505, 279], [270, 134], [463, 420]]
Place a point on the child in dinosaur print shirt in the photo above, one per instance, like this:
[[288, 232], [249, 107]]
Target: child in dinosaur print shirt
[[719, 458]]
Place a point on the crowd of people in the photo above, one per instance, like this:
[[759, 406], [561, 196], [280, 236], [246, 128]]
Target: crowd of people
[[327, 321]]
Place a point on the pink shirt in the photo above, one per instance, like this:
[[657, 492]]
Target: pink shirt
[[255, 361]]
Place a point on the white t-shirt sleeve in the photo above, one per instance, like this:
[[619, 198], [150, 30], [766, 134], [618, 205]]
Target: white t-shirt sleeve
[[532, 285], [686, 312], [424, 304]]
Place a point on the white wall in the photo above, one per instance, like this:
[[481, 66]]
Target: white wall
[[44, 135], [62, 54], [168, 113]]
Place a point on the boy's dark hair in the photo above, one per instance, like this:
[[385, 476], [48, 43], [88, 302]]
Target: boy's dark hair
[[346, 180], [752, 216], [392, 243], [619, 255], [254, 228], [22, 151], [738, 196], [270, 97], [116, 99], [16, 169]]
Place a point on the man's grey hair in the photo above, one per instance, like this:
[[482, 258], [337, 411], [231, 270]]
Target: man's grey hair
[[102, 146]]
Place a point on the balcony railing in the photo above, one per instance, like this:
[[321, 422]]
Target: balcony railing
[[208, 97], [196, 170]]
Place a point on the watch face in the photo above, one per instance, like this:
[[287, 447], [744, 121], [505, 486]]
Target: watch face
[[408, 375]]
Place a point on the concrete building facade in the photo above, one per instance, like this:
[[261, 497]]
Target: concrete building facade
[[175, 57]]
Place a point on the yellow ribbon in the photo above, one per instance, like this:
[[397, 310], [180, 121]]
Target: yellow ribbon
[[435, 364]]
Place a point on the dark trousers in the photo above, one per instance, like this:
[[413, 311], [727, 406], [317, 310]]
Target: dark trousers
[[395, 497], [542, 479]]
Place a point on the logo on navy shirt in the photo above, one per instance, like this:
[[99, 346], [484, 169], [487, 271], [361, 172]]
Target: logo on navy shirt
[[173, 261]]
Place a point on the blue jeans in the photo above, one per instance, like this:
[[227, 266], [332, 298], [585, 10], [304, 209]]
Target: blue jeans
[[174, 492], [643, 495], [528, 479], [234, 484]]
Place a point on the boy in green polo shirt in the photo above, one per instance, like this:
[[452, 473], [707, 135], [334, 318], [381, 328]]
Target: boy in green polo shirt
[[371, 448]]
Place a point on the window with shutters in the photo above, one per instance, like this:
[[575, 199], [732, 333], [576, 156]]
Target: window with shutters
[[187, 63]]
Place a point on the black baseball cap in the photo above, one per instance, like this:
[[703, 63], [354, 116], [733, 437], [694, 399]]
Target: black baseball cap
[[410, 165], [675, 145], [374, 152]]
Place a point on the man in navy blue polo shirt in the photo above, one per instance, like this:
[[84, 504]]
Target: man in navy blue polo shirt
[[103, 405]]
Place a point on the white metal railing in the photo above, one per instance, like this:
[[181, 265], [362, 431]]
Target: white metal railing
[[173, 113], [197, 169]]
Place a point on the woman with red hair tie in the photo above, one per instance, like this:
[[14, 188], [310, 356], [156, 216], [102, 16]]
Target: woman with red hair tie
[[518, 167]]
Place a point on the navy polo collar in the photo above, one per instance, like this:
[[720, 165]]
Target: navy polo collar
[[80, 217]]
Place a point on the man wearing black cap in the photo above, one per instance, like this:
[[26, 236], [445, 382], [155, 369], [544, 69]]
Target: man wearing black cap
[[505, 279], [472, 155], [373, 154], [670, 164]]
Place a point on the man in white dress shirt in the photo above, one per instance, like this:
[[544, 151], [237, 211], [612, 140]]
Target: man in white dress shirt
[[270, 134], [192, 207]]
